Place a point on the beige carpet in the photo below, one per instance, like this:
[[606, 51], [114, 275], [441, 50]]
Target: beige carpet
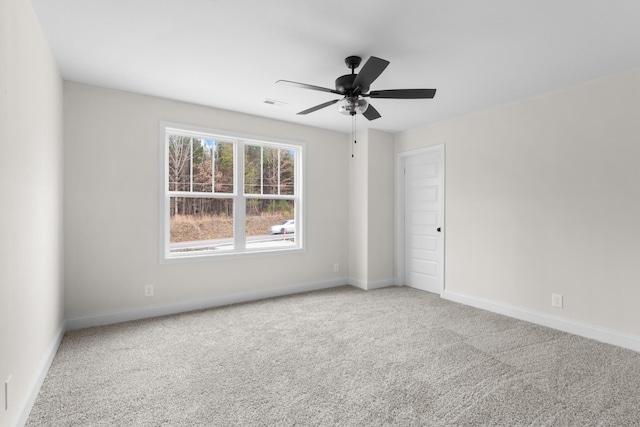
[[339, 357]]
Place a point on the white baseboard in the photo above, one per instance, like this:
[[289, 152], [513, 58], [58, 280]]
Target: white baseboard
[[368, 286], [199, 304], [36, 383], [571, 326]]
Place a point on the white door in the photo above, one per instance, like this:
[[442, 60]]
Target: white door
[[423, 191]]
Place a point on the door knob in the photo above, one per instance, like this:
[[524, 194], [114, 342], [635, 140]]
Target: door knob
[[439, 229]]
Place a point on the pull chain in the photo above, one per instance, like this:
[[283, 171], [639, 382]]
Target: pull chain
[[353, 133]]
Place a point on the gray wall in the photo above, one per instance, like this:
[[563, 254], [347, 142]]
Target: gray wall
[[31, 210], [371, 210], [112, 217], [542, 197]]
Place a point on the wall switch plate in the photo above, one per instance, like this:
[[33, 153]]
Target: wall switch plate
[[336, 267], [148, 291], [556, 300]]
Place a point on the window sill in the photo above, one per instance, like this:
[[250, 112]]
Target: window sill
[[220, 255]]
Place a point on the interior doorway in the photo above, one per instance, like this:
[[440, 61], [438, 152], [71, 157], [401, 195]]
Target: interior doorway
[[421, 227]]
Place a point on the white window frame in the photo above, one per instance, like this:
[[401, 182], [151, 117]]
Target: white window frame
[[238, 195]]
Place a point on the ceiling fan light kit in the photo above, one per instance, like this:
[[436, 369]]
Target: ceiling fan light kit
[[352, 105], [354, 87]]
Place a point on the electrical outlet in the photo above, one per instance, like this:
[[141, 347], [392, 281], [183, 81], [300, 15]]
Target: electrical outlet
[[556, 300], [148, 291], [6, 393], [336, 267]]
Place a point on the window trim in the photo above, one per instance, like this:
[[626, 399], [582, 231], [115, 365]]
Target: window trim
[[238, 195]]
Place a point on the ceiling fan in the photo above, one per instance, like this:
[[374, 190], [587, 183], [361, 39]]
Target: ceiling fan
[[354, 87]]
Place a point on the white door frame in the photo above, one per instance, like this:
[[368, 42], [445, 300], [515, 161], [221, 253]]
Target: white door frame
[[400, 160]]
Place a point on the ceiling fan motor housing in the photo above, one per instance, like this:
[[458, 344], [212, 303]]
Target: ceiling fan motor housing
[[344, 84]]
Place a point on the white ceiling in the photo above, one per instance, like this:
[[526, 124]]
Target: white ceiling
[[229, 53]]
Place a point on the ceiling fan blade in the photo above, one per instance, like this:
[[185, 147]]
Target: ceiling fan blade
[[370, 71], [371, 113], [403, 93], [312, 87], [318, 107]]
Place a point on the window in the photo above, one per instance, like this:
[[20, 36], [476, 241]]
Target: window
[[224, 194]]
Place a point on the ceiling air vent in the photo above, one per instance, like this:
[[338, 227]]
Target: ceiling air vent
[[275, 103]]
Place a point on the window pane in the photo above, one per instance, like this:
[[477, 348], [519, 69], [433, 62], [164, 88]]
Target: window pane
[[252, 169], [202, 165], [287, 168], [179, 163], [270, 222], [223, 168], [200, 224], [268, 170]]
